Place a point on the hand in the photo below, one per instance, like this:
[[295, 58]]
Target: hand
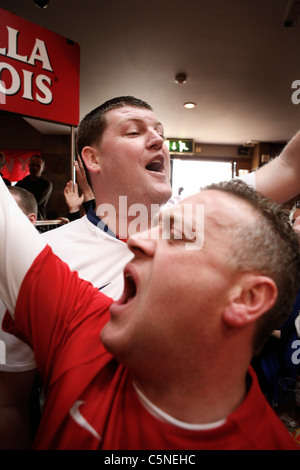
[[73, 200]]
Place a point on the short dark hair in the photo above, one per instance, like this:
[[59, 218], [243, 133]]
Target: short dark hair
[[37, 156], [92, 126], [25, 200], [268, 246]]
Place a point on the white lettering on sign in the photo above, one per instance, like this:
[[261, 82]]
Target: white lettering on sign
[[27, 79]]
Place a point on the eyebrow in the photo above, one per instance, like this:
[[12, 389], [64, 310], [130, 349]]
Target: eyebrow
[[171, 218], [156, 124]]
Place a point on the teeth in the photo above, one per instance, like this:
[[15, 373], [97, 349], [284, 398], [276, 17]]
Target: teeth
[[155, 165]]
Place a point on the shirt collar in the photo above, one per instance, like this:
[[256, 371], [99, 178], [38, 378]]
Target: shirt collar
[[95, 220]]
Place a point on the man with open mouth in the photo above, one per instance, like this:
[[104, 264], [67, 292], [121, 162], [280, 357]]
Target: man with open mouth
[[166, 366]]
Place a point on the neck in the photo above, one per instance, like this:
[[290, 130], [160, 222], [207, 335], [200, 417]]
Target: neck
[[203, 396], [123, 227], [125, 220], [208, 405]]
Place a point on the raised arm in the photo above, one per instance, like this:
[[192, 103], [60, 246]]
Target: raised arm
[[280, 178], [72, 198], [20, 245]]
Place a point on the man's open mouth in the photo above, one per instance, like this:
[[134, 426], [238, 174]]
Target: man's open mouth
[[156, 165], [129, 289]]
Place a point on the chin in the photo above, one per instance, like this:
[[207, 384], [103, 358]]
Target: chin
[[162, 196], [168, 194], [109, 340], [116, 345], [105, 338]]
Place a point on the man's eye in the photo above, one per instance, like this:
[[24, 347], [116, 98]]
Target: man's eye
[[133, 133], [161, 134]]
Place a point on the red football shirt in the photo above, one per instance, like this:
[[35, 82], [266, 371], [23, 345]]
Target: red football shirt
[[90, 401]]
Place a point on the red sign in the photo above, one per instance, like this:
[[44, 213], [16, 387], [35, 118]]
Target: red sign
[[39, 71], [16, 163]]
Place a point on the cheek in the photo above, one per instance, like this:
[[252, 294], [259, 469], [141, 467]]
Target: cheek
[[115, 169], [190, 287]]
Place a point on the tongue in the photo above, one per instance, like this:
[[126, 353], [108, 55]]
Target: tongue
[[154, 166]]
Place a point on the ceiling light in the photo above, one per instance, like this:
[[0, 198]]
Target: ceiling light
[[189, 105], [41, 3], [180, 78]]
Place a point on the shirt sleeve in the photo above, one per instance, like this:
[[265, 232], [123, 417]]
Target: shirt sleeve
[[58, 314], [20, 245], [55, 310], [16, 355]]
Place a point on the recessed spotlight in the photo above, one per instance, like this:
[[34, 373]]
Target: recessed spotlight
[[189, 105], [180, 78], [41, 3]]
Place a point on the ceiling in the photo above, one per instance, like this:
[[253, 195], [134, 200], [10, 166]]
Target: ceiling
[[239, 57]]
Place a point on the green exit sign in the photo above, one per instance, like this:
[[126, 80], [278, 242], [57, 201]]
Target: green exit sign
[[180, 145]]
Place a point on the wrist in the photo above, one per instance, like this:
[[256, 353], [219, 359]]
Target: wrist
[[72, 210]]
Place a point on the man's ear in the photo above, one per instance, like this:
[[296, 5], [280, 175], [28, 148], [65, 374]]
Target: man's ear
[[90, 156], [251, 298], [33, 218]]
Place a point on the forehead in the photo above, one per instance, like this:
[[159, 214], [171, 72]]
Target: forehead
[[36, 160], [116, 117], [220, 208]]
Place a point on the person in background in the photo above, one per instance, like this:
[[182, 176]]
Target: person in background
[[120, 160], [167, 365], [40, 187], [26, 201], [2, 164]]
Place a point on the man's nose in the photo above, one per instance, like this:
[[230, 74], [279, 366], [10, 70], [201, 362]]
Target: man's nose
[[144, 243], [155, 140]]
